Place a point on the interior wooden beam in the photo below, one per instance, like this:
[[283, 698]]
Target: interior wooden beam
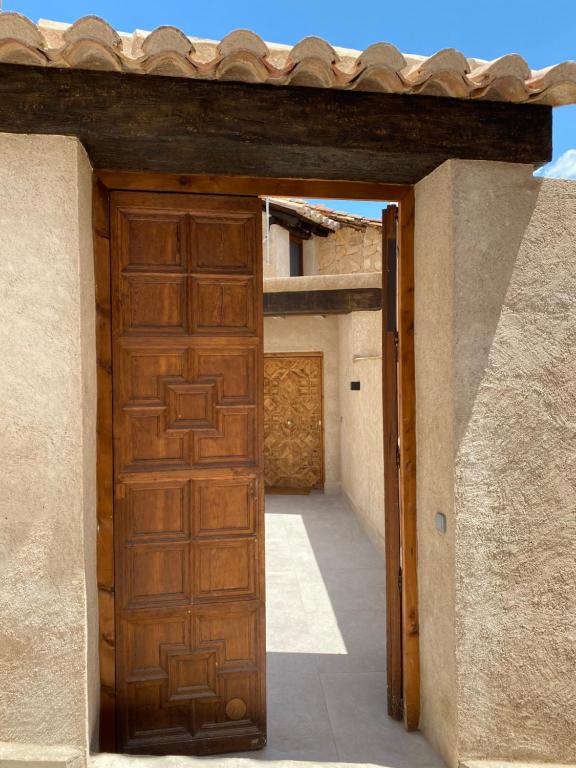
[[178, 125], [336, 301]]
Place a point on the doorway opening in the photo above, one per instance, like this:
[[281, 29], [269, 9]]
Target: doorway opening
[[186, 330], [324, 411]]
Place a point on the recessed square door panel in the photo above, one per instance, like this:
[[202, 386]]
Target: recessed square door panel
[[223, 306], [157, 574], [145, 371], [225, 506], [154, 304], [187, 366], [222, 244], [148, 445], [234, 371], [232, 443], [225, 568], [157, 511], [153, 241]]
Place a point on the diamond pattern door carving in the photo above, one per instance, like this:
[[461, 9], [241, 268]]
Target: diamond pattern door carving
[[293, 431], [187, 372]]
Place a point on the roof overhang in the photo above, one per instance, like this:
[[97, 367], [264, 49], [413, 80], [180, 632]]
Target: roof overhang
[[86, 81]]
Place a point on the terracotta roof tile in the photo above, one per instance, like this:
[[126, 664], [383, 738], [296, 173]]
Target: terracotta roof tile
[[321, 214], [91, 43]]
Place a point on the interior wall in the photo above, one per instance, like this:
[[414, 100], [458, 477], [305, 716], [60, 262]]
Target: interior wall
[[361, 423], [48, 614], [313, 333], [496, 398], [278, 251]]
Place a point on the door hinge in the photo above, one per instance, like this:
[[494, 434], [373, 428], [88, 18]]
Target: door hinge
[[397, 456], [400, 580], [396, 343]]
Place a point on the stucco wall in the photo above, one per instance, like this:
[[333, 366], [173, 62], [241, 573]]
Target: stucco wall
[[277, 252], [48, 660], [495, 347], [314, 334], [361, 425]]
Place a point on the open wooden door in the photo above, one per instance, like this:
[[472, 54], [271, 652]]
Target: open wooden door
[[188, 503], [391, 463]]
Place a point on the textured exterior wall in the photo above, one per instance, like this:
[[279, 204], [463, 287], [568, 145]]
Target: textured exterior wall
[[349, 250], [314, 334], [435, 459], [503, 259], [48, 660], [361, 423]]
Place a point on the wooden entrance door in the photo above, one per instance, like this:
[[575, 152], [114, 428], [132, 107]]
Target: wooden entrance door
[[187, 368], [293, 421]]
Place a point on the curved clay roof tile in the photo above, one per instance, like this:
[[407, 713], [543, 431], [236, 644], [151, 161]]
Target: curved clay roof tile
[[93, 28], [312, 48], [510, 66], [242, 66], [167, 39], [382, 55], [19, 28], [312, 72], [243, 40], [554, 85], [447, 60]]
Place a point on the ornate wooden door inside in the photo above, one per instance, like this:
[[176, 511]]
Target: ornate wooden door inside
[[293, 422], [188, 510]]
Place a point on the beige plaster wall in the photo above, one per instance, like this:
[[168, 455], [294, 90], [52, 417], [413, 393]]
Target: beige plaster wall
[[496, 405], [277, 253], [361, 423], [434, 244], [48, 660], [323, 282], [312, 333]]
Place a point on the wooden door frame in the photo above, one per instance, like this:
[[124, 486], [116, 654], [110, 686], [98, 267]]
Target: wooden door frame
[[321, 356], [107, 181]]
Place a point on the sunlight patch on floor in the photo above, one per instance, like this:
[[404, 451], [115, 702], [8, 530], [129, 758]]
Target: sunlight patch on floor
[[300, 616]]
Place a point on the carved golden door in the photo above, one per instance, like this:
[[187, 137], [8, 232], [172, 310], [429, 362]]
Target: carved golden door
[[293, 421], [187, 373]]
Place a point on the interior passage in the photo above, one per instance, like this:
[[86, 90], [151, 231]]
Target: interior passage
[[326, 640]]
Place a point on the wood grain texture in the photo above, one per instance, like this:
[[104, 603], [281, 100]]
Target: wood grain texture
[[391, 475], [105, 468], [407, 443], [293, 421], [188, 505], [335, 301], [176, 125], [250, 185]]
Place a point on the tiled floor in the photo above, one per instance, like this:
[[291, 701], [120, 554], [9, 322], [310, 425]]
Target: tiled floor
[[326, 640], [326, 649]]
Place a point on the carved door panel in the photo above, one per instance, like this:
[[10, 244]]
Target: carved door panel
[[293, 431], [188, 512]]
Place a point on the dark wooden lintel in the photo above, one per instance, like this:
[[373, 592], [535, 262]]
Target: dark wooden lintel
[[184, 126], [337, 301]]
